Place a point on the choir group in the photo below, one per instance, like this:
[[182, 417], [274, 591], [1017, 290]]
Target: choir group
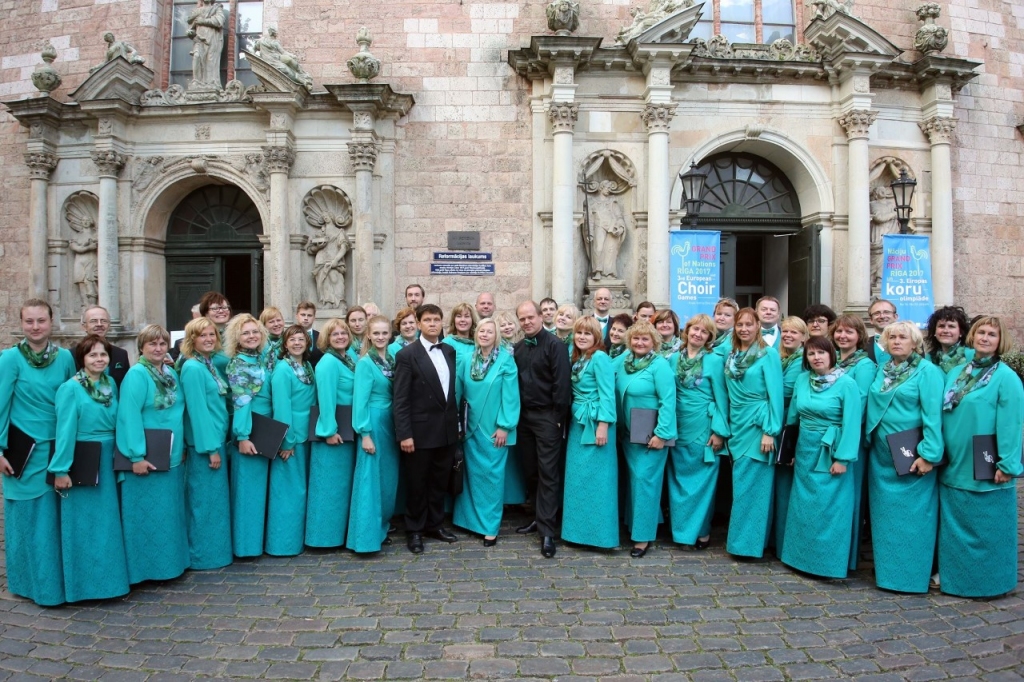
[[593, 422]]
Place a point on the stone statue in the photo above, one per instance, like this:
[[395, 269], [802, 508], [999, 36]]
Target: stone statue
[[81, 212], [563, 17], [656, 12], [206, 29], [328, 209], [119, 48], [606, 230], [823, 9], [883, 222], [269, 49], [930, 38]]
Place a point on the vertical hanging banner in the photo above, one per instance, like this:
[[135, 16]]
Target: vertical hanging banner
[[695, 265], [907, 276]]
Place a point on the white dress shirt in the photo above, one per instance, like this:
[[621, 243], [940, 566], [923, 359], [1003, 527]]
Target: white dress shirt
[[440, 364], [770, 337]]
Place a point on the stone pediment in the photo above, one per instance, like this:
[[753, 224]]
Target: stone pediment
[[840, 35], [116, 79], [272, 78], [674, 28]]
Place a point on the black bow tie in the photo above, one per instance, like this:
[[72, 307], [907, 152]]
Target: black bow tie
[[436, 345]]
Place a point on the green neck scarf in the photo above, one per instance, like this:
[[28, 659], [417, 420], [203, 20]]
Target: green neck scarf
[[894, 375], [385, 364], [616, 350], [166, 393], [303, 370], [460, 339], [102, 391], [854, 358], [479, 365], [222, 386], [578, 367], [690, 371], [634, 364], [798, 354], [38, 360], [670, 347], [345, 358], [823, 382], [957, 355], [739, 361], [968, 380]]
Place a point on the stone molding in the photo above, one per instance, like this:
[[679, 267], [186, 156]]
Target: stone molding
[[939, 129], [40, 164], [857, 122], [278, 159], [563, 116], [363, 155], [109, 162], [657, 118]]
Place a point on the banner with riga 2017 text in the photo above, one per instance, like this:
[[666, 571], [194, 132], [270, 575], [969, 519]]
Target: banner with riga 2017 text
[[907, 276], [695, 264]]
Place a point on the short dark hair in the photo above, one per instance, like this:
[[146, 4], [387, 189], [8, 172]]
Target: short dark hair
[[212, 298], [823, 343], [645, 304], [36, 303], [943, 314], [546, 300], [291, 331], [305, 305], [423, 292], [429, 308], [625, 319], [818, 310], [666, 314], [85, 346]]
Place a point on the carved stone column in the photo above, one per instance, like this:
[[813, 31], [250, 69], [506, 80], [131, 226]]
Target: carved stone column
[[857, 123], [108, 270], [657, 119], [563, 117], [278, 160], [40, 165], [363, 156], [939, 130]]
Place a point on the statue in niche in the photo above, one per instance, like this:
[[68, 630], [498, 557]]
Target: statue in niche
[[119, 48], [82, 211], [606, 228], [268, 47], [883, 212], [206, 29], [328, 210]]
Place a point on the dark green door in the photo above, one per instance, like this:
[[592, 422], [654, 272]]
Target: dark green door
[[213, 245]]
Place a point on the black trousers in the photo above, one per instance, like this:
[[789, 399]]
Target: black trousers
[[539, 438], [426, 480]]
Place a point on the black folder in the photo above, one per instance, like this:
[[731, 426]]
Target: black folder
[[159, 443], [986, 455], [785, 453], [19, 448], [463, 418], [85, 465], [267, 435], [903, 448], [342, 415], [642, 423]]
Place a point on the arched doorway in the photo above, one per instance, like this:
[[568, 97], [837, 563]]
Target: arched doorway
[[213, 245], [764, 250]]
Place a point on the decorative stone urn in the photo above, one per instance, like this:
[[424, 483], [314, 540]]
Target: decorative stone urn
[[45, 77], [930, 37], [364, 65], [563, 17]]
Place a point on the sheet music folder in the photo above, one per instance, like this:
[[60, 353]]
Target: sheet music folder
[[342, 415], [642, 423], [267, 435], [903, 448], [20, 446], [159, 443], [85, 465]]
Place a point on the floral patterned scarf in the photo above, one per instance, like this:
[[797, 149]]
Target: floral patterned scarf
[[634, 364], [823, 382], [40, 360], [739, 361], [101, 391], [479, 365], [246, 377], [690, 371], [968, 381], [303, 370], [385, 364], [957, 355], [894, 375], [670, 347], [166, 384], [344, 357]]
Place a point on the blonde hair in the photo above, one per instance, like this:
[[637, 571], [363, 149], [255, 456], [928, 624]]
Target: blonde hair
[[706, 323], [642, 328], [458, 310], [589, 324], [323, 342], [908, 328], [503, 317], [758, 339], [797, 324], [366, 343], [568, 309], [192, 331], [151, 332], [233, 332], [481, 323], [268, 314], [991, 321]]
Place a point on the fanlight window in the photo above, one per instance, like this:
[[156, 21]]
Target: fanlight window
[[220, 213], [743, 186], [747, 21]]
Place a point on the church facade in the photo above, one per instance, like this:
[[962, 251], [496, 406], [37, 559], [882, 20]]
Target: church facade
[[281, 150]]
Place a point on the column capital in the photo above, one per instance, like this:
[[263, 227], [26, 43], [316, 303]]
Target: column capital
[[939, 129], [363, 155], [857, 122], [563, 116], [108, 162], [279, 158], [657, 118], [40, 164]]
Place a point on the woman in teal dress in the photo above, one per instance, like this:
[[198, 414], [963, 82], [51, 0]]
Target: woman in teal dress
[[724, 317], [272, 319], [489, 383], [753, 377], [791, 352], [332, 460], [947, 328], [515, 477], [375, 482], [590, 507], [207, 491], [565, 318], [667, 323], [978, 518], [702, 420], [292, 394], [645, 380], [30, 374], [405, 326], [906, 394], [826, 404], [248, 375], [355, 318], [460, 333], [153, 515], [92, 544], [850, 337], [617, 328]]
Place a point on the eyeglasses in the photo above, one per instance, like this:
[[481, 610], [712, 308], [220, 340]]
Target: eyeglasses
[[882, 313], [219, 308], [818, 321]]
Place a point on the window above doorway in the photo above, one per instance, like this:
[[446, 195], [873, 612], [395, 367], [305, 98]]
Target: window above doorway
[[246, 19], [748, 21]]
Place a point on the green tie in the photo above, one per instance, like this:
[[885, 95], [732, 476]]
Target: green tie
[[531, 341]]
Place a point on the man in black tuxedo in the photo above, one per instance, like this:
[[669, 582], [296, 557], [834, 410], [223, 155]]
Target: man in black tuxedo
[[426, 427], [96, 320]]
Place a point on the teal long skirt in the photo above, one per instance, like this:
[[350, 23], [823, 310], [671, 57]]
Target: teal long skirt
[[330, 493], [374, 486], [208, 505], [92, 544], [478, 508], [515, 479], [286, 504], [646, 476], [33, 549], [977, 541], [249, 476], [904, 522], [154, 524], [691, 492], [751, 515], [590, 505]]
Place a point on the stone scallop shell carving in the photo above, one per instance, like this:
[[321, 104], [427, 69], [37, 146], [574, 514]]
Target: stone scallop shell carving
[[325, 205]]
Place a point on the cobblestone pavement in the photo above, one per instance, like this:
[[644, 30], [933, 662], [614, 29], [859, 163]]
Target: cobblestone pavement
[[463, 611]]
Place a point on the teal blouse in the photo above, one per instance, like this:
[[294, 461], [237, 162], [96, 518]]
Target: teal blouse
[[137, 412], [372, 389], [291, 400], [206, 411], [334, 385], [241, 416], [916, 403], [755, 406], [703, 409], [493, 400], [652, 388], [834, 413], [593, 396], [79, 418]]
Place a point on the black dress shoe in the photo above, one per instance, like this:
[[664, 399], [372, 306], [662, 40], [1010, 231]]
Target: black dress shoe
[[638, 552], [391, 528], [702, 544], [531, 527], [442, 534], [547, 547], [490, 542], [415, 543]]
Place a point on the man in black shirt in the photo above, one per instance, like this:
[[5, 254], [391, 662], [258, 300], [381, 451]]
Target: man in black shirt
[[545, 395]]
